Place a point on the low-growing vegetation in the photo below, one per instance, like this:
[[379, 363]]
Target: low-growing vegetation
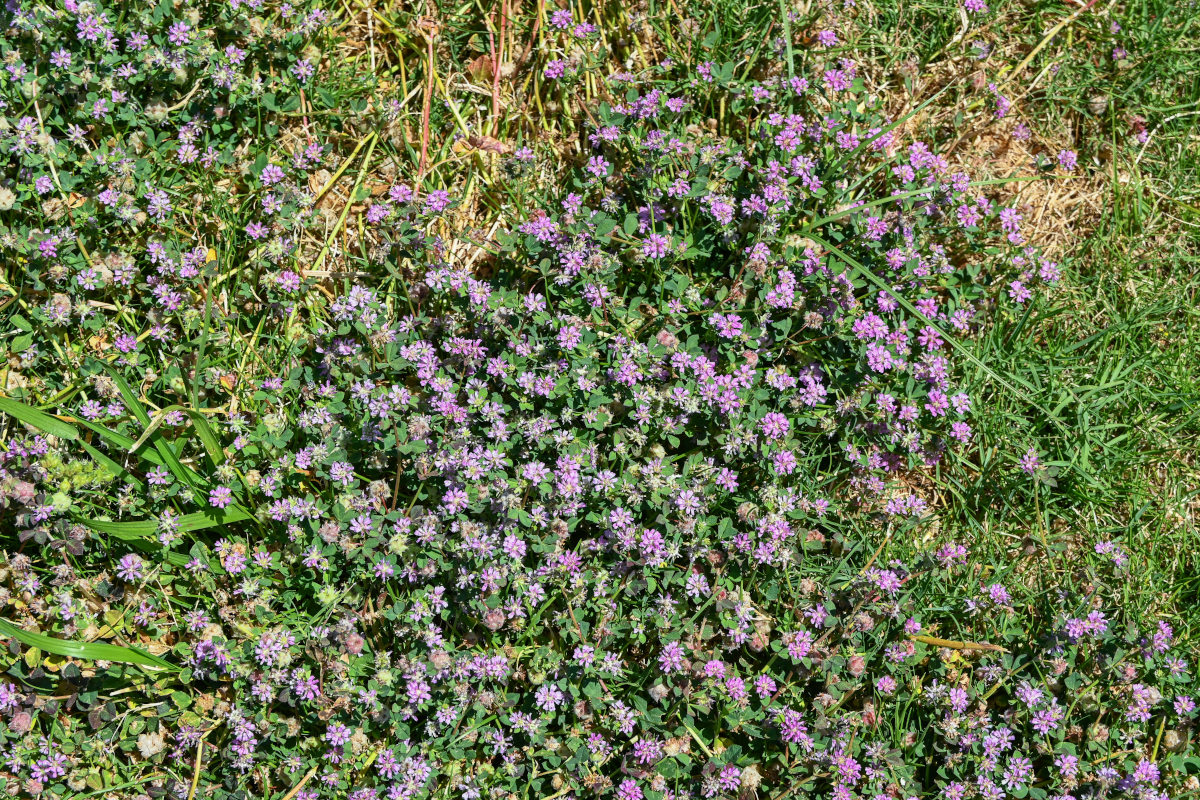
[[582, 400]]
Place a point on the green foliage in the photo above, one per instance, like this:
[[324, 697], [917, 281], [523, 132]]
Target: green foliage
[[245, 423]]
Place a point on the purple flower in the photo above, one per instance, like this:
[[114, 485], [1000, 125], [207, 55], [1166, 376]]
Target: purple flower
[[1019, 292], [656, 246], [303, 70], [598, 166], [1030, 462], [774, 425], [271, 175], [548, 697], [220, 497], [784, 462], [671, 658], [1067, 764], [179, 34], [437, 201], [337, 734], [729, 326], [129, 568], [837, 80]]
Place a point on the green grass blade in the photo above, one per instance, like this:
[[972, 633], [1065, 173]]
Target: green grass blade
[[208, 437], [87, 651], [120, 441], [787, 37], [38, 419], [138, 535], [152, 427], [128, 395], [817, 223], [141, 529], [181, 473], [960, 349], [128, 531]]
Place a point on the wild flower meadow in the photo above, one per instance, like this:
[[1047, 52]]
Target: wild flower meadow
[[315, 488]]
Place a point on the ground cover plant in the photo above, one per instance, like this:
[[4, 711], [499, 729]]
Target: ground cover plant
[[596, 400]]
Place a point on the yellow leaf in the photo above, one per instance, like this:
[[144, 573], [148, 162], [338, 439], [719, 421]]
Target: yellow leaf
[[33, 657]]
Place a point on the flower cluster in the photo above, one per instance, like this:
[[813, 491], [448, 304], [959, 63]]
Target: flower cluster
[[591, 507]]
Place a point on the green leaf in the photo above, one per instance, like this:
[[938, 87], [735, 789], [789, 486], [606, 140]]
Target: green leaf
[[631, 223], [38, 419], [141, 529], [88, 651]]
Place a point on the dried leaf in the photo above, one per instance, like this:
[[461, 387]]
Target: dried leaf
[[480, 69]]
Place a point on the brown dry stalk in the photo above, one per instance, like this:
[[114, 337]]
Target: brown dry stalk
[[495, 73], [537, 27], [429, 33], [953, 645], [342, 169], [497, 65], [296, 789], [1046, 40]]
